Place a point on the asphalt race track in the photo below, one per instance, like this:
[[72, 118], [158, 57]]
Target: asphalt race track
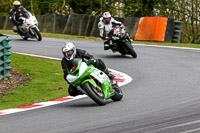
[[163, 97]]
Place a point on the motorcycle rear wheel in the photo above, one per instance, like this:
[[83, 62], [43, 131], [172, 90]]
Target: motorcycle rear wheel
[[98, 98], [130, 49]]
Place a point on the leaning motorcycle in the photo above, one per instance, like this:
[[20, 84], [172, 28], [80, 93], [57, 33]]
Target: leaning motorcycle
[[93, 82], [29, 27], [121, 41]]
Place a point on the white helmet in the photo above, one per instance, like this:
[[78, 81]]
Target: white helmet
[[69, 50], [106, 17]]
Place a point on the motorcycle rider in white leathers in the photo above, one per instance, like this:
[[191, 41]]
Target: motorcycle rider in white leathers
[[105, 25]]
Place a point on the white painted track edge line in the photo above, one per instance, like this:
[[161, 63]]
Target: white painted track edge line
[[161, 46]]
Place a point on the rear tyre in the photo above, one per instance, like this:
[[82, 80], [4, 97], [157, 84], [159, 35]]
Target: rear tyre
[[37, 34], [130, 49], [99, 98], [118, 93]]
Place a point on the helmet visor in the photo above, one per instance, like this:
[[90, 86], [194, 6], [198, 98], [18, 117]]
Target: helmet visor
[[107, 20], [16, 6], [69, 53]]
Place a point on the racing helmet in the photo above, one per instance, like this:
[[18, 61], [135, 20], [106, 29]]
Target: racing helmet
[[106, 17], [16, 4], [69, 50]]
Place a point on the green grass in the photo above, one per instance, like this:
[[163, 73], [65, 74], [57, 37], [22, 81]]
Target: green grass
[[75, 37], [64, 36], [47, 77]]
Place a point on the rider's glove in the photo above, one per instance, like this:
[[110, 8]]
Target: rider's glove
[[123, 27], [91, 61], [107, 38]]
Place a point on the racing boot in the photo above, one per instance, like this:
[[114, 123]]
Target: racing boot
[[106, 46], [15, 28], [113, 83], [113, 48], [111, 76], [73, 91], [115, 87]]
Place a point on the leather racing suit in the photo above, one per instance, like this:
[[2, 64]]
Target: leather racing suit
[[105, 29]]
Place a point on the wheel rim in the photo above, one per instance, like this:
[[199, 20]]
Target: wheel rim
[[99, 92]]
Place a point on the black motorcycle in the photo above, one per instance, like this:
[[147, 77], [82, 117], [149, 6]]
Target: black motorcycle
[[121, 41]]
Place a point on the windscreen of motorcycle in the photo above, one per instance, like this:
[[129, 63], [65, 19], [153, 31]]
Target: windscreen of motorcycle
[[116, 31], [71, 78]]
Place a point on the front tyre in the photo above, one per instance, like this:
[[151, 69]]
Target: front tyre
[[98, 97], [37, 34], [130, 49]]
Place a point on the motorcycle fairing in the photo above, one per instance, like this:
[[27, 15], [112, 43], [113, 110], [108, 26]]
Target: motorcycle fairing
[[72, 78], [99, 75]]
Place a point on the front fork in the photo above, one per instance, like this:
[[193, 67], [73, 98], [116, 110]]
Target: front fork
[[128, 37], [31, 29]]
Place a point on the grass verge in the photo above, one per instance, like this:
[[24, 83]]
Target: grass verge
[[74, 37], [64, 36], [47, 82]]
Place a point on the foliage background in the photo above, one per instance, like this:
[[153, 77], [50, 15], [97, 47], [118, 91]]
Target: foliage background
[[186, 11]]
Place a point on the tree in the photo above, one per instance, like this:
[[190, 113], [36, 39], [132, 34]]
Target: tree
[[187, 11], [5, 6], [88, 6], [139, 8]]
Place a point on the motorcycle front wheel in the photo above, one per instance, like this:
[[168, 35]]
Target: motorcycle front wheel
[[130, 49], [37, 34], [96, 96]]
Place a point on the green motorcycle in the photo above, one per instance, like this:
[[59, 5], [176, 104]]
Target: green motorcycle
[[93, 82]]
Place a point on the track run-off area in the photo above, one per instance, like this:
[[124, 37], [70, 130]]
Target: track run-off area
[[162, 97]]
